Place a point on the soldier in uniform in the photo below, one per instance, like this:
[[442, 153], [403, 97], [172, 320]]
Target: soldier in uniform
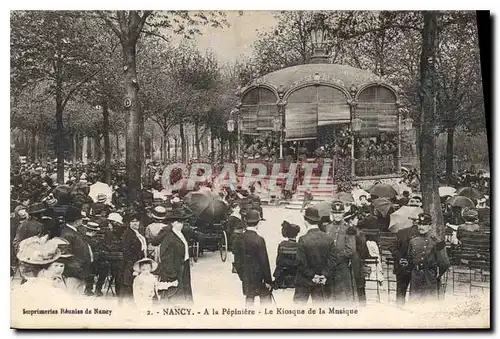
[[345, 244], [427, 259]]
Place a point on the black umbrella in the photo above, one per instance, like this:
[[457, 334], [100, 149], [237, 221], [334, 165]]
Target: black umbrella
[[383, 191], [206, 206], [470, 193]]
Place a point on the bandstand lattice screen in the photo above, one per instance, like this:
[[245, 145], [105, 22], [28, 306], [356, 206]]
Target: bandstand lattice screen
[[378, 111], [313, 106], [258, 110]]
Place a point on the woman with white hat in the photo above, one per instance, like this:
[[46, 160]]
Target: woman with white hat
[[41, 263]]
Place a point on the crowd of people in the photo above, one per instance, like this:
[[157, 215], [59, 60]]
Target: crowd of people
[[84, 244]]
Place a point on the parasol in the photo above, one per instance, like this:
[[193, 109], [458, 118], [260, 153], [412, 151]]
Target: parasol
[[206, 206], [383, 205], [401, 218], [470, 193], [344, 197], [383, 191], [460, 201], [101, 188], [447, 190]]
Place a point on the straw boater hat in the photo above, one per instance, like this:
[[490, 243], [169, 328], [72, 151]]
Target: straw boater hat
[[92, 225], [137, 264], [101, 197], [38, 251], [159, 213]]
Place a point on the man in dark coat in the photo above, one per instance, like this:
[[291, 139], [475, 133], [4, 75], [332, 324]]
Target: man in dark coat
[[174, 263], [401, 267], [79, 267], [315, 261], [252, 263]]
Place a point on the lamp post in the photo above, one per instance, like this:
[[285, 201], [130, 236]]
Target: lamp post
[[318, 32], [230, 128]]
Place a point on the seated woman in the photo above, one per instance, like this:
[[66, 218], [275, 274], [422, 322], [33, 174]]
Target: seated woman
[[286, 266]]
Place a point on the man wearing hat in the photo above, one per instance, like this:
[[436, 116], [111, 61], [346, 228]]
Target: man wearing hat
[[94, 232], [158, 214], [100, 207], [114, 249], [427, 260], [471, 225], [32, 226], [80, 266], [345, 244], [401, 268], [315, 261], [483, 211], [252, 262], [174, 264]]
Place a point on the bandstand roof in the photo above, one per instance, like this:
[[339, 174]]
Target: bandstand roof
[[343, 75]]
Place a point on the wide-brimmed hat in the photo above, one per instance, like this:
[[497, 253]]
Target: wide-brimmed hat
[[159, 212], [116, 218], [38, 251], [312, 216], [137, 264], [36, 208], [101, 197], [92, 225], [252, 217], [178, 214]]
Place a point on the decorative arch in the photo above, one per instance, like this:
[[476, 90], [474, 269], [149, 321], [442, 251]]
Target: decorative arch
[[314, 104], [258, 108], [377, 107]]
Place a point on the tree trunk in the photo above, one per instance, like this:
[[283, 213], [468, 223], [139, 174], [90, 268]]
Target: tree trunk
[[168, 148], [428, 179], [107, 144], [75, 148], [183, 143], [175, 148], [165, 147], [212, 147], [118, 153], [449, 154], [133, 121], [197, 141], [222, 144], [97, 150], [59, 137], [85, 150], [33, 146]]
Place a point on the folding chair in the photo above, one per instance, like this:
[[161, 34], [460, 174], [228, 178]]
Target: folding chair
[[481, 268], [110, 284], [373, 261]]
